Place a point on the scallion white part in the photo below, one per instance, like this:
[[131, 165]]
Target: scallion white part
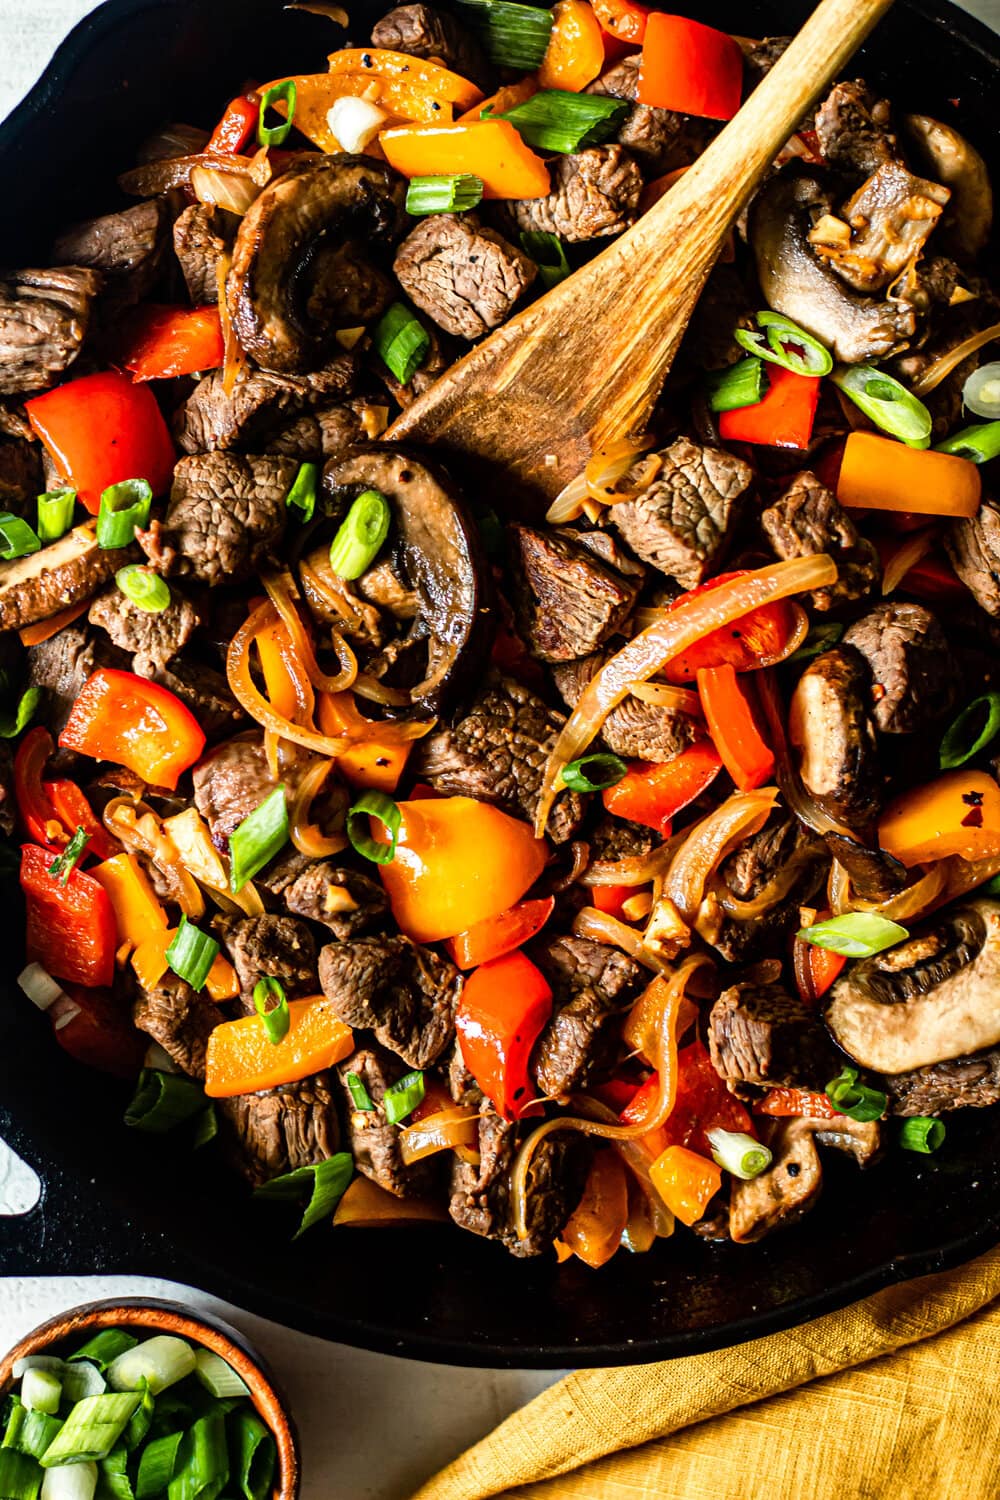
[[738, 1153], [41, 1390], [161, 1361], [355, 122], [38, 1362], [80, 1379], [217, 1376], [70, 1482]]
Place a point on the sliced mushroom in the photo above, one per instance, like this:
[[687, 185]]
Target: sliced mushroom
[[930, 998], [792, 1183], [437, 556], [301, 263], [835, 740], [65, 573], [942, 152]]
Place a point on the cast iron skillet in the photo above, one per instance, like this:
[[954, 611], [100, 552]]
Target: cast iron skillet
[[116, 1201]]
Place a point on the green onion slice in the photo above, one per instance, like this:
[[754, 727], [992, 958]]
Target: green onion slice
[[325, 1183], [91, 1430], [402, 1097], [12, 724], [592, 773], [374, 805], [360, 536], [401, 342], [819, 639], [141, 1419], [990, 887], [156, 1465], [105, 1347], [206, 1127], [192, 953], [153, 1365], [202, 1465], [443, 195], [979, 444], [124, 509], [55, 514], [922, 1133], [41, 1390], [217, 1376], [738, 1153], [162, 1101], [302, 495], [556, 120], [275, 1016], [255, 1455], [146, 589], [548, 253], [66, 862], [855, 1099], [742, 384], [856, 934], [276, 135], [360, 1097], [962, 740], [30, 1432], [16, 537], [114, 1475], [512, 35], [784, 343], [887, 402], [258, 839], [20, 1476]]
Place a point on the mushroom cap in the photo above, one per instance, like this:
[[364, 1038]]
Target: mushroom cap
[[64, 573], [792, 1183], [945, 154]]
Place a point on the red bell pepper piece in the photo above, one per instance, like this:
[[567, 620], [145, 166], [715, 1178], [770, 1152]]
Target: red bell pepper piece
[[38, 813], [783, 419], [703, 1103], [787, 1102], [652, 794], [102, 1035], [612, 898], [499, 935], [690, 67], [76, 812], [815, 968], [162, 342], [100, 430], [617, 1093], [754, 640], [730, 719], [237, 127], [502, 1009], [70, 929], [134, 723], [622, 19]]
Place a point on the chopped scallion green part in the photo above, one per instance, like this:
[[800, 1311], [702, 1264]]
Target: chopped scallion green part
[[206, 1127], [549, 255], [91, 1430], [29, 1432], [20, 1475], [360, 535], [159, 1362], [819, 639], [976, 726], [146, 589], [163, 1101], [887, 402], [443, 195], [157, 1463], [980, 444], [124, 509], [855, 1099], [65, 863], [742, 384], [12, 724], [258, 839], [856, 934], [374, 805], [141, 1419], [55, 514], [105, 1347], [113, 1477], [16, 537], [401, 342], [325, 1182], [556, 120], [302, 495], [922, 1133], [218, 1377], [512, 35], [255, 1456], [402, 1097], [738, 1153], [360, 1097], [276, 135], [192, 953], [784, 343], [592, 773], [201, 1469], [275, 1015], [41, 1390]]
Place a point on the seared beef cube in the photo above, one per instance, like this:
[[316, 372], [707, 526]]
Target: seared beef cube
[[592, 985], [230, 783], [497, 753], [785, 852], [574, 964], [762, 1035], [760, 57], [853, 129], [464, 276], [959, 1083], [203, 234], [462, 1087], [402, 992], [568, 601], [8, 805], [422, 31], [478, 1200], [808, 519], [272, 947], [613, 839], [206, 693], [181, 1020], [973, 548], [61, 665], [289, 1127], [679, 523], [128, 247], [913, 670], [282, 871], [259, 404], [21, 477], [661, 140], [594, 193], [44, 317], [225, 517], [372, 1141], [637, 730], [828, 725], [345, 901], [152, 637], [710, 343], [317, 436]]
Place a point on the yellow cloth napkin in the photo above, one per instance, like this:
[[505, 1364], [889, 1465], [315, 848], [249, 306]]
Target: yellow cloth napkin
[[896, 1396]]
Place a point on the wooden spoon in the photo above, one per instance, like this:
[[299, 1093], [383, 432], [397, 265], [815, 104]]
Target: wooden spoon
[[585, 364]]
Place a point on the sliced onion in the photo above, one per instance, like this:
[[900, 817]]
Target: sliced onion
[[942, 367], [907, 555], [142, 832], [281, 590], [965, 875], [156, 177], [306, 835], [224, 190], [247, 694], [915, 901], [335, 13], [580, 853], [444, 1131], [638, 869], [981, 392], [602, 927], [568, 504], [709, 842], [373, 691], [664, 695], [611, 462], [48, 994]]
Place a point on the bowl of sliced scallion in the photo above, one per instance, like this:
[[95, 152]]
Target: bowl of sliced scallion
[[139, 1400]]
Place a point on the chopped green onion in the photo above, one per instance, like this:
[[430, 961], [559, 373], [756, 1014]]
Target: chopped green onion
[[202, 1464], [20, 1476], [592, 773], [360, 536], [402, 1097], [146, 589], [302, 495], [786, 344], [55, 514], [738, 1153], [443, 195], [29, 1432], [981, 391], [857, 934], [374, 805], [163, 1101], [114, 1475], [275, 1017], [16, 537], [990, 887], [887, 402], [958, 744], [556, 120], [819, 639], [82, 1379], [742, 384], [157, 1463], [124, 510], [192, 953], [105, 1347], [206, 1127], [855, 1099], [513, 36], [276, 135], [12, 724], [360, 1097], [72, 1482], [549, 255], [401, 342], [979, 444], [257, 840], [41, 1390], [91, 1430], [922, 1133], [255, 1456], [141, 1419], [325, 1182], [218, 1377], [159, 1361], [65, 863]]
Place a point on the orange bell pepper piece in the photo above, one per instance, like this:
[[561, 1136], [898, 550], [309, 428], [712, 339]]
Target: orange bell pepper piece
[[623, 19], [502, 1008], [371, 762], [575, 54], [491, 150], [594, 1230], [457, 862], [690, 67], [879, 474], [499, 935], [162, 342], [149, 962], [430, 78], [241, 1058], [504, 99], [127, 719], [783, 1103], [653, 793], [957, 813], [138, 914], [783, 419], [44, 630], [365, 1204], [685, 1181], [730, 719], [756, 640]]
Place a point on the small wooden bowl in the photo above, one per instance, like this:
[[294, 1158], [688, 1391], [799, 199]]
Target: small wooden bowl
[[150, 1316]]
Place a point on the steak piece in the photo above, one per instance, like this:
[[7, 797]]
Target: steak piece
[[634, 729], [317, 436], [202, 234], [760, 57], [782, 848], [497, 753], [568, 600], [345, 901], [614, 839], [807, 520], [422, 31], [206, 693], [260, 403], [829, 726], [230, 782], [21, 476], [225, 516], [661, 140], [758, 1033], [181, 1020], [61, 666], [44, 317], [594, 193], [372, 1141], [679, 523], [914, 672], [272, 947], [152, 637], [391, 986], [959, 1083], [464, 276], [127, 247], [592, 985], [289, 1127], [853, 129], [973, 548]]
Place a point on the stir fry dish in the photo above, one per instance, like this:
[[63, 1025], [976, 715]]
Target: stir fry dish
[[566, 875]]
